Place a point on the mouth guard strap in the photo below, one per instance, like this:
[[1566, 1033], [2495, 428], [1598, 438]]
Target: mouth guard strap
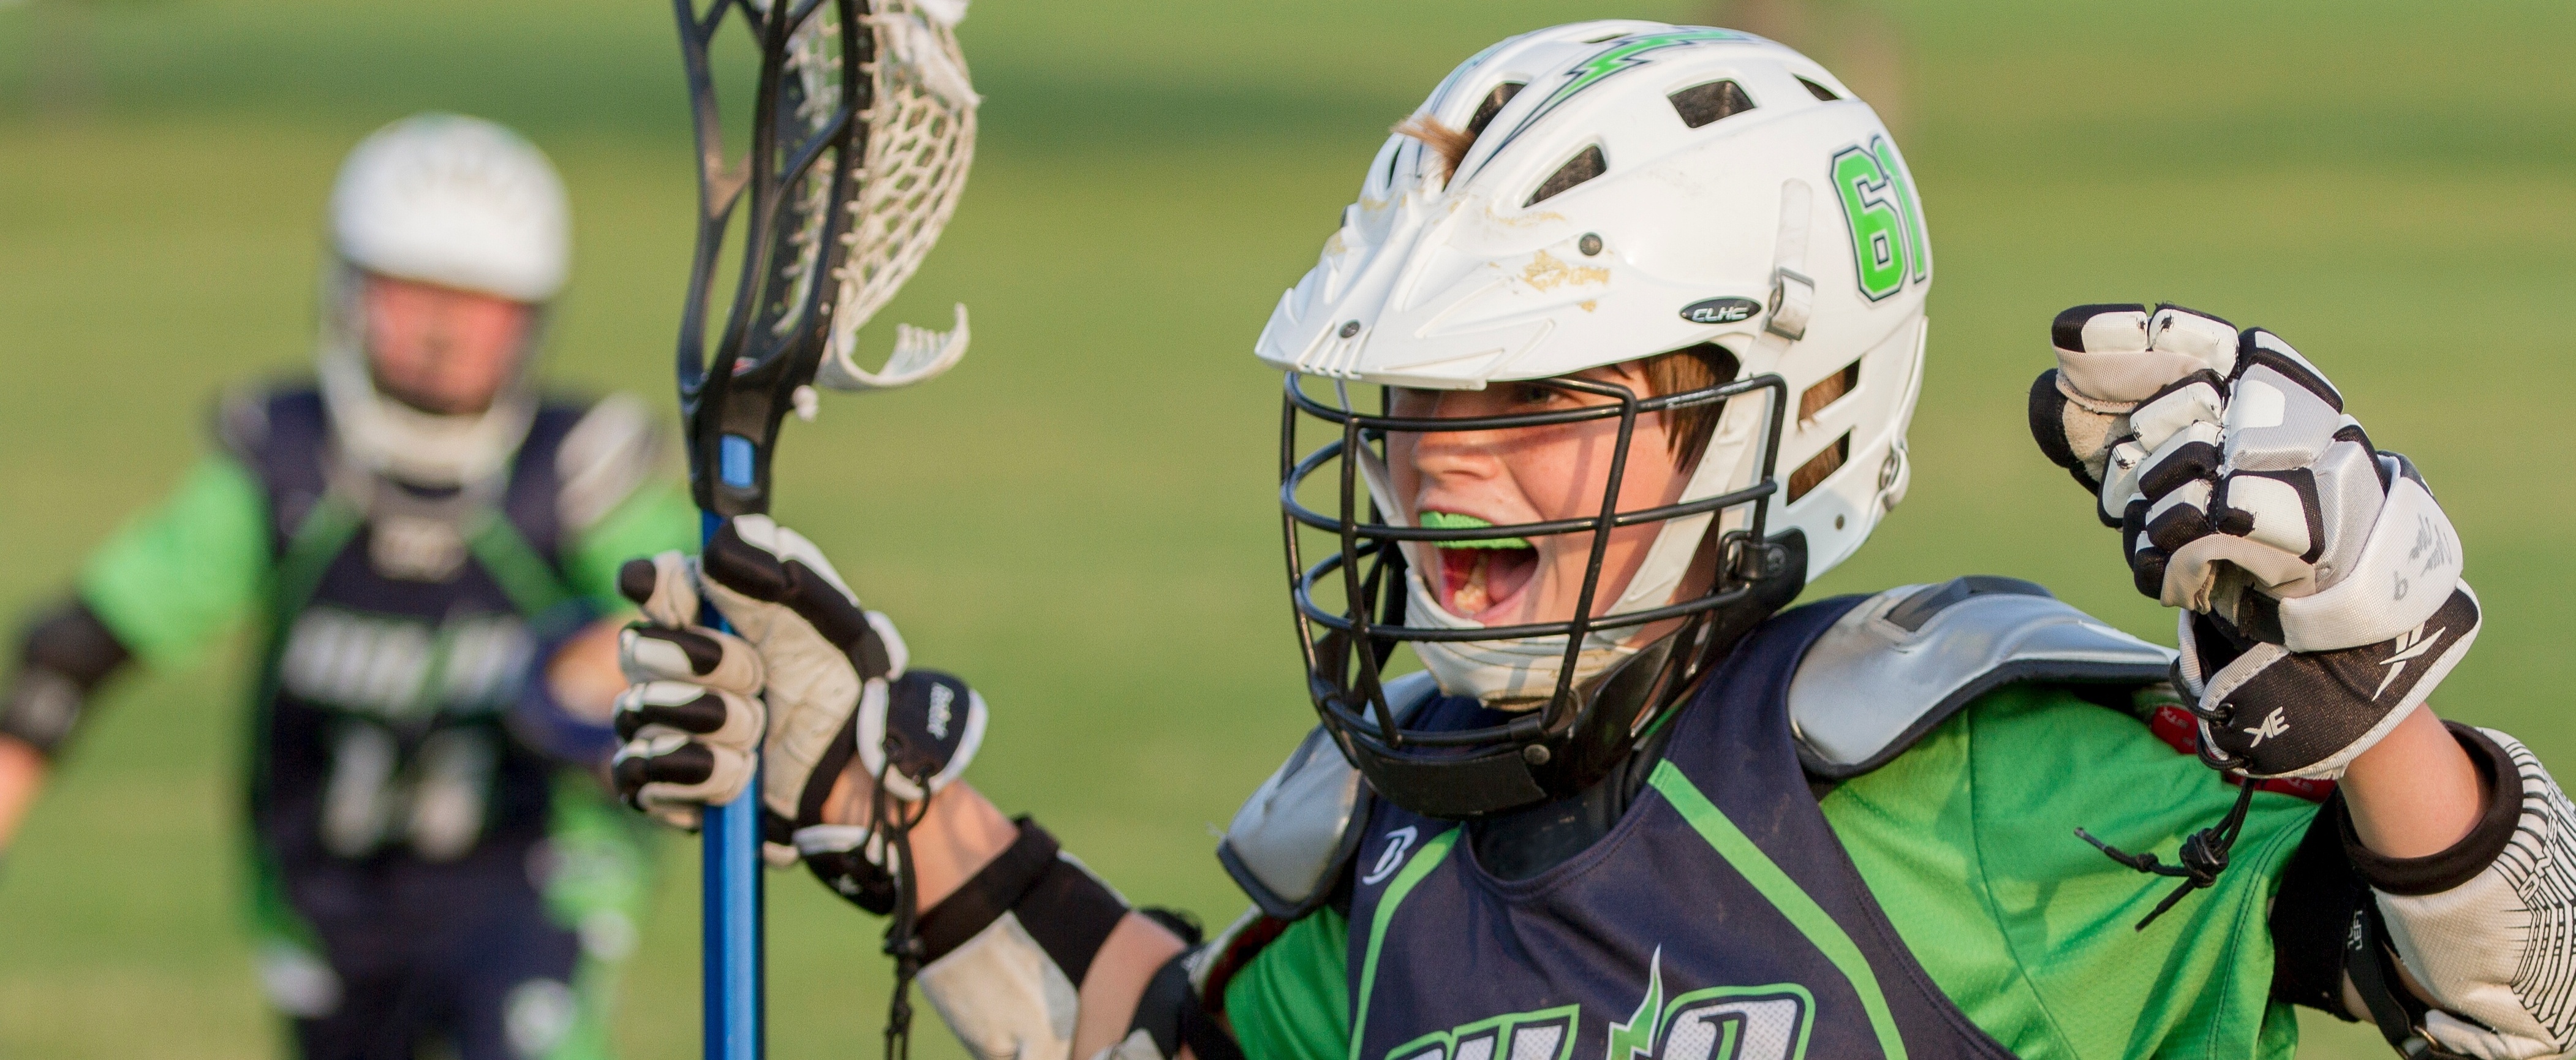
[[1453, 521]]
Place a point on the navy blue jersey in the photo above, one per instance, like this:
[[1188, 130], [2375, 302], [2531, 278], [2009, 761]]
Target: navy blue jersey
[[1719, 920]]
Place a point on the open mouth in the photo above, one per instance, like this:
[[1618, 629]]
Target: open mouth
[[1480, 575]]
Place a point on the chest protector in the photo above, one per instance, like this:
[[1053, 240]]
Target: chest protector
[[1719, 919], [405, 624]]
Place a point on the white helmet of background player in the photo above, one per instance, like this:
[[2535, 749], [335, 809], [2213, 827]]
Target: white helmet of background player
[[457, 202], [1632, 188]]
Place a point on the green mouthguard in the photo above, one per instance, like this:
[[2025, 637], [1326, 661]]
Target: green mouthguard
[[1451, 521]]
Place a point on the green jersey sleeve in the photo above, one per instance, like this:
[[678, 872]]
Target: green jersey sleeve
[[1968, 842], [178, 575], [1292, 1000], [657, 517]]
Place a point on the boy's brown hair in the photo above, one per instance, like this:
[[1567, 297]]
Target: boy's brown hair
[[1687, 430]]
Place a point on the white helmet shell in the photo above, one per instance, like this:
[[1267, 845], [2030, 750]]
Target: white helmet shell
[[1787, 232], [455, 201], [1634, 188]]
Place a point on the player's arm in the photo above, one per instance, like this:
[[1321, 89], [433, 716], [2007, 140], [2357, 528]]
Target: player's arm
[[615, 501], [163, 587], [2320, 601], [1023, 950]]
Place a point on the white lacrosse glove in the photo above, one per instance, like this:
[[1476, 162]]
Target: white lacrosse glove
[[2319, 582], [689, 722], [835, 688]]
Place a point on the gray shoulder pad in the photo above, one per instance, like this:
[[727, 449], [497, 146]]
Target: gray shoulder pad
[[612, 450], [1908, 658], [1292, 836]]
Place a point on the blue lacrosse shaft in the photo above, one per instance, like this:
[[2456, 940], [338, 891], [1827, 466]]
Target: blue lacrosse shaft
[[731, 934]]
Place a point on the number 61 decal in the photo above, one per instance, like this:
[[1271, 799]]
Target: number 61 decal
[[1886, 219]]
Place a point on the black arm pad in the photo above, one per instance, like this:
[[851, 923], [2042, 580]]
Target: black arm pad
[[1068, 911], [2310, 915], [1171, 1014], [63, 656]]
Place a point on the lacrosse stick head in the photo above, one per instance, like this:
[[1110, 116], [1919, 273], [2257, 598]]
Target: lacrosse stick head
[[861, 131]]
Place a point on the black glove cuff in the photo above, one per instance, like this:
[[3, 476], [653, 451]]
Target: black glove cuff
[[66, 654], [1066, 910], [2463, 860]]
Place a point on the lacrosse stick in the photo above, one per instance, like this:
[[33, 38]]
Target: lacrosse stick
[[862, 128]]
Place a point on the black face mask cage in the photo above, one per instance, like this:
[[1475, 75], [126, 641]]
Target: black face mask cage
[[1580, 732]]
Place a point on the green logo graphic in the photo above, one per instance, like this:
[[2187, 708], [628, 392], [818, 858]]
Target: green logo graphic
[[1541, 1034], [1625, 53], [1886, 219], [1770, 1022], [1719, 1023]]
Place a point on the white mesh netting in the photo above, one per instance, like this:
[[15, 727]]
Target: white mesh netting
[[920, 142]]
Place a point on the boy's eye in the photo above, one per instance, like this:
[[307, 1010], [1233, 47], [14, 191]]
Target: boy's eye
[[1533, 394]]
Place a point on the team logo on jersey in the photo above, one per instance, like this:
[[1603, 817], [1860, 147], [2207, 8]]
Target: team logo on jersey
[[1769, 1022], [1720, 1023], [1541, 1034], [1885, 218]]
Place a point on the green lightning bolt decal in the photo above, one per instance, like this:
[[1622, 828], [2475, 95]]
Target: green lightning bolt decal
[[1625, 53], [1637, 1036]]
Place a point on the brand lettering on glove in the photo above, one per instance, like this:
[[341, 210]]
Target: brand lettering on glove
[[2273, 725], [2411, 645], [940, 700], [2429, 539]]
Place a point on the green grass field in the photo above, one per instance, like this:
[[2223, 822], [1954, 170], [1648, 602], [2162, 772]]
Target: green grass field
[[1080, 517]]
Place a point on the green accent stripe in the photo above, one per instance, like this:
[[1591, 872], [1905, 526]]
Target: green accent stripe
[[533, 586], [1426, 858], [1784, 894]]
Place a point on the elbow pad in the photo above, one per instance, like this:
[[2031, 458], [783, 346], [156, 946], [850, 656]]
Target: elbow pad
[[2487, 929], [1003, 958], [63, 657]]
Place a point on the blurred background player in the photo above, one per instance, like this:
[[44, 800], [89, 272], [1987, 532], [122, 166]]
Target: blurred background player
[[427, 546]]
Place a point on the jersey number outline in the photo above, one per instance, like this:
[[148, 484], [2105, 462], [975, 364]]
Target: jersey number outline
[[1885, 218]]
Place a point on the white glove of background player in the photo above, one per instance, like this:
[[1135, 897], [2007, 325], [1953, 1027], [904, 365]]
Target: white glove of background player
[[831, 676], [2319, 580]]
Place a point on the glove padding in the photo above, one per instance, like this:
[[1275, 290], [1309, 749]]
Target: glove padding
[[689, 723], [832, 677], [2306, 561]]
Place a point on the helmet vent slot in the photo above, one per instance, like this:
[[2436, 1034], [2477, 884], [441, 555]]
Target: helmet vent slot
[[1819, 91], [1828, 390], [1813, 473], [1492, 105], [1701, 104], [1582, 167]]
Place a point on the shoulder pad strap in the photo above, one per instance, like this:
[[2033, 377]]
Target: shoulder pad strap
[[1905, 660], [612, 449], [1293, 835], [279, 431]]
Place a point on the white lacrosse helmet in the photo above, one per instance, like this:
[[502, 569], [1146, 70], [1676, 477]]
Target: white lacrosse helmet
[[453, 201], [1633, 188]]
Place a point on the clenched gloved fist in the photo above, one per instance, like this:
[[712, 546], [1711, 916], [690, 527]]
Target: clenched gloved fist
[[2319, 582], [831, 684]]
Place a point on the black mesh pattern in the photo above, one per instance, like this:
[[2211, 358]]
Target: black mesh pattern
[[1492, 105], [1702, 104], [1582, 167]]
